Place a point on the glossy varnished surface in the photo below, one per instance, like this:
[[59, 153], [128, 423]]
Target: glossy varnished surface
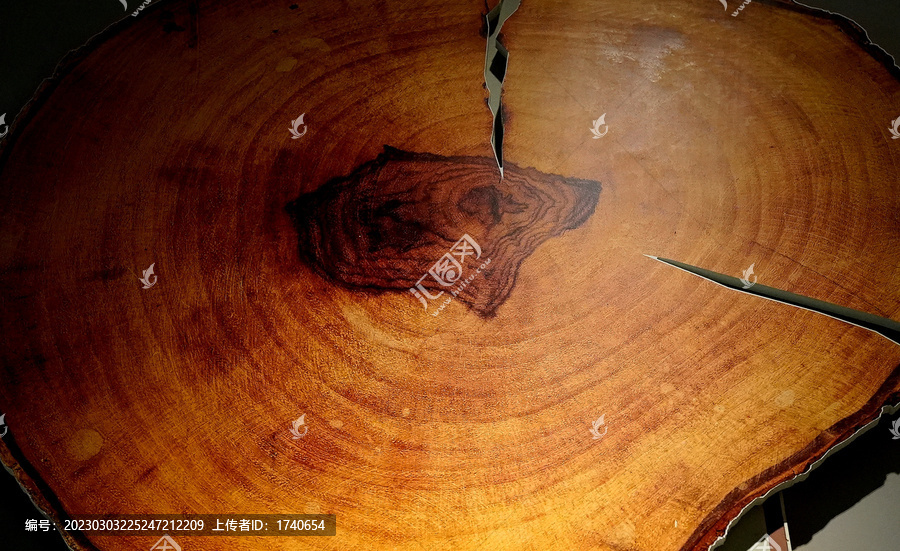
[[760, 138], [379, 228]]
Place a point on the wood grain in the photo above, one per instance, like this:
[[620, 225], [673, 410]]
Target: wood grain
[[761, 138], [381, 227]]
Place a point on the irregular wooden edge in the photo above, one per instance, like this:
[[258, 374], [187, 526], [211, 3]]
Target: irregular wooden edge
[[11, 456], [713, 530], [846, 25], [40, 493], [711, 533], [68, 62]]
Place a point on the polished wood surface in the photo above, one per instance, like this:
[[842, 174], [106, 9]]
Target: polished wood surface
[[759, 138]]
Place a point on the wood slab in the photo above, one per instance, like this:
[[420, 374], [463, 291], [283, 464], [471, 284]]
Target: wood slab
[[286, 269]]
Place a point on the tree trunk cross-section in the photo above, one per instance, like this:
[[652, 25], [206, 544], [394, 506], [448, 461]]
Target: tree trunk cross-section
[[574, 395]]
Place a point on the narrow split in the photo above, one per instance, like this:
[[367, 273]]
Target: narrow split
[[495, 61]]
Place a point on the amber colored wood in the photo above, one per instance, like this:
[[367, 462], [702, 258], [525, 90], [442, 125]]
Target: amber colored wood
[[378, 228], [761, 138]]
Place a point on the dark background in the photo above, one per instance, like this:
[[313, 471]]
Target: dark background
[[36, 34]]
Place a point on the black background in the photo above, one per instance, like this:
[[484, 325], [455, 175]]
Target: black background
[[36, 34]]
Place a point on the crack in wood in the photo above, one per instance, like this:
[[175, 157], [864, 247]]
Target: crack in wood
[[495, 61]]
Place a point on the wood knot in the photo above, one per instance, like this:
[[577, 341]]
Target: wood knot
[[386, 224]]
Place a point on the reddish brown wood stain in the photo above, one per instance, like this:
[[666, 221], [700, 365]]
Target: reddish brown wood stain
[[760, 138], [383, 226]]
